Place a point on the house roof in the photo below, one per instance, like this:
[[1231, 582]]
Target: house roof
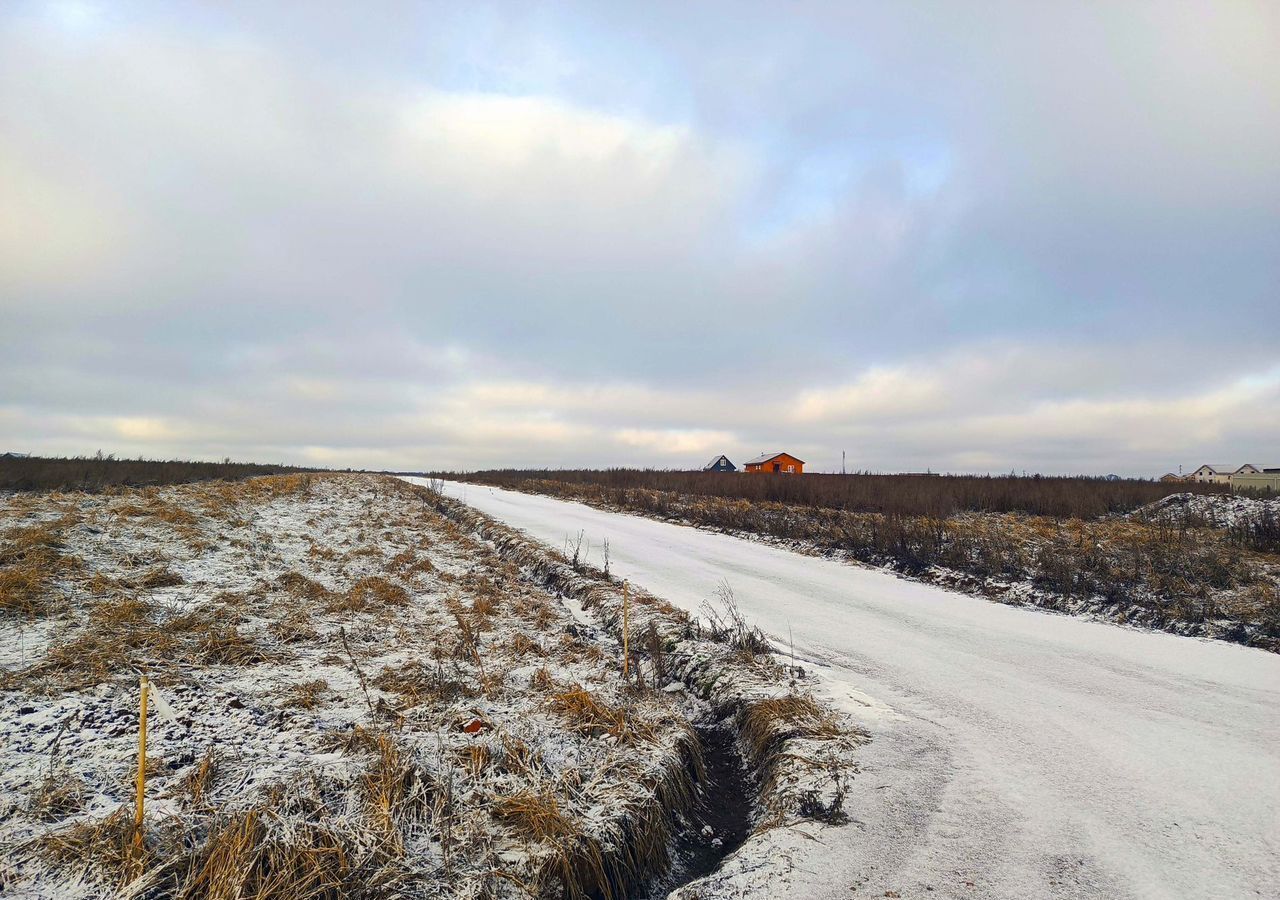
[[1245, 466], [1220, 468], [765, 457], [715, 459]]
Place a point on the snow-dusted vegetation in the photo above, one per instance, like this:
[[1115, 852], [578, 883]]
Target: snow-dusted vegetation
[[1197, 564], [373, 692]]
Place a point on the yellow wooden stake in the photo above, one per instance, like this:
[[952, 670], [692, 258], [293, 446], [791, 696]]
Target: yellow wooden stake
[[626, 631], [142, 759]]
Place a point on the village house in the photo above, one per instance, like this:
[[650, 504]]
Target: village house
[[1220, 474], [720, 464], [780, 463], [1266, 480]]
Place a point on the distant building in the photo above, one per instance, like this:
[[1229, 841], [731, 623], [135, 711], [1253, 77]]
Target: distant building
[[10, 454], [1111, 478], [1266, 481], [779, 463], [1169, 476], [720, 464], [1220, 474], [1211, 474]]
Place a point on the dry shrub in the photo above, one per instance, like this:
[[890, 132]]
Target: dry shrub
[[370, 594], [105, 473]]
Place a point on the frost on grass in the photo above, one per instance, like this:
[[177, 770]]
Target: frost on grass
[[1205, 565], [369, 700], [800, 757]]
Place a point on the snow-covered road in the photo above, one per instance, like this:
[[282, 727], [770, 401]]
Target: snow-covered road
[[1015, 753]]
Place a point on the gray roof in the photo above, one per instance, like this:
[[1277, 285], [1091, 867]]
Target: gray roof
[[765, 457], [715, 459]]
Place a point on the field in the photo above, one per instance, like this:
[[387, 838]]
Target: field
[[99, 473], [368, 690], [908, 495], [1205, 564]]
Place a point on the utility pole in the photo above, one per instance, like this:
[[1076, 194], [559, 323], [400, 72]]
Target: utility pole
[[842, 472]]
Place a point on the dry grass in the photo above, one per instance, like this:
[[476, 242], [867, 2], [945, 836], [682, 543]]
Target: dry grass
[[766, 723], [541, 679], [31, 559], [535, 817], [307, 694], [61, 793], [305, 588], [395, 791], [408, 563], [248, 855], [197, 785], [107, 845], [587, 714], [370, 594], [420, 683], [159, 577], [127, 632]]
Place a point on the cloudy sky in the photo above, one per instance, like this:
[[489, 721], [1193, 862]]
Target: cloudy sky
[[965, 237]]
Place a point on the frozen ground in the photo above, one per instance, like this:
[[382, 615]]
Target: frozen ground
[[1014, 753], [375, 692], [1220, 510]]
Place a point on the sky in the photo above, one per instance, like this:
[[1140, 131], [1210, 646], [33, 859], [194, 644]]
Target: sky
[[967, 237]]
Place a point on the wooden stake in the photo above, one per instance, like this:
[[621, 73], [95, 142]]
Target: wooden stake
[[626, 630], [142, 759]]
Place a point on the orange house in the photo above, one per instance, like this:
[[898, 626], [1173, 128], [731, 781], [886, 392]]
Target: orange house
[[780, 463]]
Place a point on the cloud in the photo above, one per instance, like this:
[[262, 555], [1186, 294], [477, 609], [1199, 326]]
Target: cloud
[[583, 235]]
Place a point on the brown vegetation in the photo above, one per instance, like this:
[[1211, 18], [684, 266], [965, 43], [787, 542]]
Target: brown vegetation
[[651, 491], [31, 558], [1168, 571], [98, 473]]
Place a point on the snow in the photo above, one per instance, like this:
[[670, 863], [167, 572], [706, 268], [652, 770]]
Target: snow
[[335, 531], [1220, 510], [1014, 753]]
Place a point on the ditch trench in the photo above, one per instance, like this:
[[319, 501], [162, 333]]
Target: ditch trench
[[718, 821], [705, 825]]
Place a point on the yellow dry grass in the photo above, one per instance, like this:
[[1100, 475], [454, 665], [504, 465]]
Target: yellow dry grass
[[31, 559]]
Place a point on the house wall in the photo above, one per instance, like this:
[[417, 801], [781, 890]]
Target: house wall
[[1257, 482], [783, 459], [1209, 477]]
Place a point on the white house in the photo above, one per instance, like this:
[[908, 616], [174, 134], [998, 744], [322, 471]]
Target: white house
[[1220, 474]]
